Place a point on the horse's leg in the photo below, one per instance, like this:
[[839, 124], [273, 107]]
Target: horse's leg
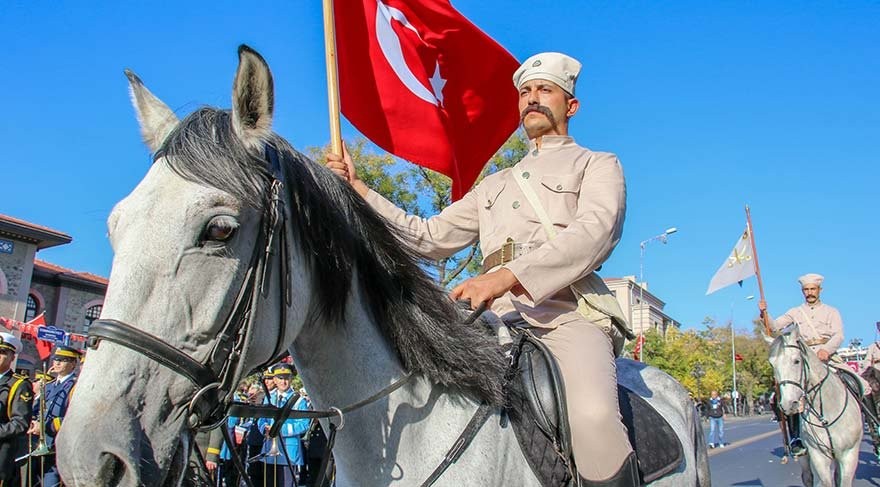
[[821, 467], [847, 465], [806, 471]]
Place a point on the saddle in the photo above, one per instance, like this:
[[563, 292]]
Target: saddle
[[851, 381], [537, 409]]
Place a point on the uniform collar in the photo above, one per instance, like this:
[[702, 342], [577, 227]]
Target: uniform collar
[[61, 380], [549, 142]]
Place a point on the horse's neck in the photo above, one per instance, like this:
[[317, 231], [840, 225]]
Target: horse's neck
[[343, 365], [817, 369]]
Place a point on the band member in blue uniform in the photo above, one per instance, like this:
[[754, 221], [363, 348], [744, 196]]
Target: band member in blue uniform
[[278, 465], [16, 396], [57, 392]]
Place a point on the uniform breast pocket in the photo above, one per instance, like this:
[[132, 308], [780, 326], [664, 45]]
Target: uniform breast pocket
[[490, 207], [560, 196]]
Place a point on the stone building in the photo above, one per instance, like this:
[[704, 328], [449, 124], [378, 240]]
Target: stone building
[[643, 309], [29, 286]]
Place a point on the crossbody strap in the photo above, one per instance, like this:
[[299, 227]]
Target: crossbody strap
[[526, 188]]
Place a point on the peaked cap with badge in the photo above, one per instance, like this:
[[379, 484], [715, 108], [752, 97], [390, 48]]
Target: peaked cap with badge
[[67, 352], [8, 341]]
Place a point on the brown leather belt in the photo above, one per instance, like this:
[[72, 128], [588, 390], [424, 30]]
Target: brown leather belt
[[508, 252], [816, 341]]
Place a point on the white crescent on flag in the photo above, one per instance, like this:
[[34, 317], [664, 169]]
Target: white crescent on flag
[[389, 43]]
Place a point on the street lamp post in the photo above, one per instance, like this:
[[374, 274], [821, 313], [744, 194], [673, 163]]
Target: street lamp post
[[735, 393], [663, 237]]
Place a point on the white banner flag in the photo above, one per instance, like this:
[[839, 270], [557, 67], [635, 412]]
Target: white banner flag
[[739, 265]]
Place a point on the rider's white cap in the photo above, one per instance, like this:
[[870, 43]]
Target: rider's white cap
[[811, 279], [551, 66]]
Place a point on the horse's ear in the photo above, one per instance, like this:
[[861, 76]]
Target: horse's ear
[[253, 98], [156, 119]]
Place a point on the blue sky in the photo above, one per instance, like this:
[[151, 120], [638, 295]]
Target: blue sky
[[710, 106]]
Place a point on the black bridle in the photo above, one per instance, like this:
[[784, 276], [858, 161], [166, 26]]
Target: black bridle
[[216, 378], [814, 406]]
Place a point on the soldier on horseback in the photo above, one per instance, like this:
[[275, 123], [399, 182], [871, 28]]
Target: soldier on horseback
[[540, 264], [869, 369], [821, 328]]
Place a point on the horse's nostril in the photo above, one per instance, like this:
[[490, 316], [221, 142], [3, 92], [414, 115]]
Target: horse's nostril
[[112, 468]]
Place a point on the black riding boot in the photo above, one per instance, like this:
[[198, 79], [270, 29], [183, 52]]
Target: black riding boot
[[627, 476], [869, 407], [794, 433]]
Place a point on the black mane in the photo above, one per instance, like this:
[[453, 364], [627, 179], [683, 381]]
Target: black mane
[[337, 233]]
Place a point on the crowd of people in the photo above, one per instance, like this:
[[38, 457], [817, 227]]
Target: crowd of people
[[32, 412], [292, 458]]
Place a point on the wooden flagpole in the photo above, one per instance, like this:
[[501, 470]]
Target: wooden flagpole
[[765, 317], [332, 77]]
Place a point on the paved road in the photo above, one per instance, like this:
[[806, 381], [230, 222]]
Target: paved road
[[753, 458]]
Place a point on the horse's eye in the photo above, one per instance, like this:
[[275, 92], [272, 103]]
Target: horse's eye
[[797, 361], [220, 229]]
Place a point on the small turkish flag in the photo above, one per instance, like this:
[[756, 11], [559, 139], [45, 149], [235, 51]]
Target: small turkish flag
[[637, 350], [424, 83], [738, 357]]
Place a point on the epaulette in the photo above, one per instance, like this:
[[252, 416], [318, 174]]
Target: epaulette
[[20, 376]]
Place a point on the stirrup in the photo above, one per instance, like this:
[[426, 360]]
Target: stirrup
[[796, 448]]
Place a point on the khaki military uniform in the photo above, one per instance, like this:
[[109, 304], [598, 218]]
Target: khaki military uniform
[[872, 359], [819, 325], [584, 195]]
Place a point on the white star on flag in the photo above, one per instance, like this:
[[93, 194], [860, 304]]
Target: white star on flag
[[437, 83], [739, 265]]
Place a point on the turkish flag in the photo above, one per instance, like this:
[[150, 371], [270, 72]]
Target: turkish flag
[[737, 357], [44, 348], [425, 84], [637, 350]]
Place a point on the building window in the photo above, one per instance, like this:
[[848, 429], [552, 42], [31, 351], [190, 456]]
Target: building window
[[30, 311], [92, 314]]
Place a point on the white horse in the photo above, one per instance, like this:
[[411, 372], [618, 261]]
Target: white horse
[[336, 285], [831, 422]]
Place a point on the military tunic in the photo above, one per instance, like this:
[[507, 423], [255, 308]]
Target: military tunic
[[58, 394], [872, 358], [16, 397], [584, 195], [819, 325]]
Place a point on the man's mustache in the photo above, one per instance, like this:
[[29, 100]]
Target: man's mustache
[[540, 109]]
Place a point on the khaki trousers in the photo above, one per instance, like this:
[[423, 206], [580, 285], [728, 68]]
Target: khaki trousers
[[585, 355]]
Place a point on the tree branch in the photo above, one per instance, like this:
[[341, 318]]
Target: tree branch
[[461, 265]]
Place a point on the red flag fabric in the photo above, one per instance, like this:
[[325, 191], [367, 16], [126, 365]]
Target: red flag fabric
[[425, 84], [637, 350], [44, 348], [738, 357]]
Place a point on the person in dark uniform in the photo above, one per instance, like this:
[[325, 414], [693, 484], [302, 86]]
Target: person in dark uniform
[[16, 398], [57, 393]]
